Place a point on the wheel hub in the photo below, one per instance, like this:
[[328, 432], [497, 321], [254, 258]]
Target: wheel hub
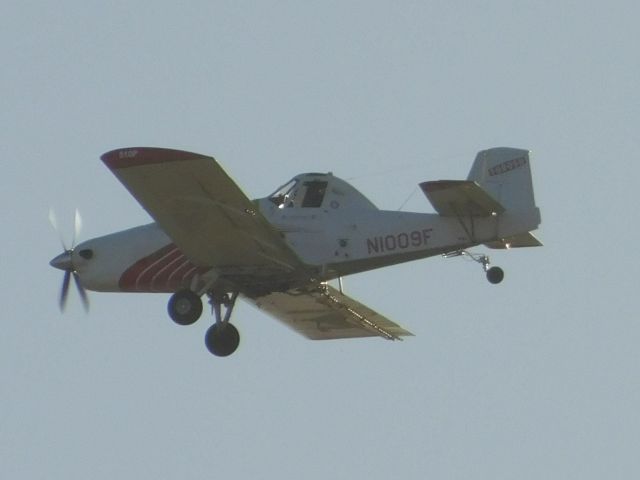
[[183, 306]]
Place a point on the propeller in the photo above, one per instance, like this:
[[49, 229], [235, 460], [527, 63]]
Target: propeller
[[64, 262]]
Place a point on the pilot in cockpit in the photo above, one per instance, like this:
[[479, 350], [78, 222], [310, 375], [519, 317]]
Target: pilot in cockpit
[[300, 193]]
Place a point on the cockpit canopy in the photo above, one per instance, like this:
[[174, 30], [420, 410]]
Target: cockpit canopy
[[307, 193], [317, 190]]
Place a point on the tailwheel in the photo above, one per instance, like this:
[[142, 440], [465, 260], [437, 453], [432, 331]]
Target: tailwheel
[[495, 275], [185, 307], [222, 339]]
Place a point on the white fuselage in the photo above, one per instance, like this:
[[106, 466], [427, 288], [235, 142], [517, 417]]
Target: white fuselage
[[334, 230]]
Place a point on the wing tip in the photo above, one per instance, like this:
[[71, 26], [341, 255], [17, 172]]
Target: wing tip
[[136, 156]]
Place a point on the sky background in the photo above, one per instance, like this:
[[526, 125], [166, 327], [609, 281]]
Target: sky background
[[538, 377]]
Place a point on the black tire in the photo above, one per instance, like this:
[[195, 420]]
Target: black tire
[[495, 275], [185, 307], [222, 339]]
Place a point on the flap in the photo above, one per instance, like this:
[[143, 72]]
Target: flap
[[454, 198], [324, 314], [203, 211]]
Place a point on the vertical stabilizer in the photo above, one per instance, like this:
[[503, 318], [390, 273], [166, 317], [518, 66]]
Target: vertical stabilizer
[[505, 174]]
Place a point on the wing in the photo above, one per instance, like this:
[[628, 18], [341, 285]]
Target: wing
[[203, 211], [323, 313]]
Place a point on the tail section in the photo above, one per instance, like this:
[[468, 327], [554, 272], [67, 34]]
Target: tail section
[[505, 174], [498, 189]]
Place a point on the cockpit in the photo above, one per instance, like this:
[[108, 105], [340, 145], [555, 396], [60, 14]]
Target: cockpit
[[318, 190], [305, 192]]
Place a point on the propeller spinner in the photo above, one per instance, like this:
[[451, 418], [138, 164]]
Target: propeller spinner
[[64, 262]]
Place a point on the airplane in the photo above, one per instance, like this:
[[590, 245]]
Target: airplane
[[280, 252]]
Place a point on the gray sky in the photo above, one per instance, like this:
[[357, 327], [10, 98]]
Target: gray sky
[[535, 378]]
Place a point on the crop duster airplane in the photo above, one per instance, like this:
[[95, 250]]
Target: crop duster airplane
[[279, 252]]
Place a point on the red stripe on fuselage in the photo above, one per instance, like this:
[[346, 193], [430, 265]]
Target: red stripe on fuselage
[[165, 270], [146, 277], [161, 279], [178, 273]]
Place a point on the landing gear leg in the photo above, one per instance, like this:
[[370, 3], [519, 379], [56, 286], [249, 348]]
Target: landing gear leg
[[222, 338]]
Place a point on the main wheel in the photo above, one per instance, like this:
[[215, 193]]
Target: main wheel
[[185, 307], [222, 339], [495, 275]]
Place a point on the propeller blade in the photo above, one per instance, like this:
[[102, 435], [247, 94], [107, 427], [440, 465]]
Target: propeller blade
[[64, 291], [64, 261], [82, 292], [53, 220], [77, 226]]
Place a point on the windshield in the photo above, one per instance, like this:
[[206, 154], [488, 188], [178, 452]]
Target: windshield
[[284, 194], [300, 193]]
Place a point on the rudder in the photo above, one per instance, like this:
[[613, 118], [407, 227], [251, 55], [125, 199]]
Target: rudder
[[505, 173]]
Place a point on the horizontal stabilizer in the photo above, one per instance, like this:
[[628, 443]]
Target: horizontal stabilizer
[[454, 198], [516, 241]]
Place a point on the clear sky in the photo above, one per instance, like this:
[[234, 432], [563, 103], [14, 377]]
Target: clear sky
[[538, 377]]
